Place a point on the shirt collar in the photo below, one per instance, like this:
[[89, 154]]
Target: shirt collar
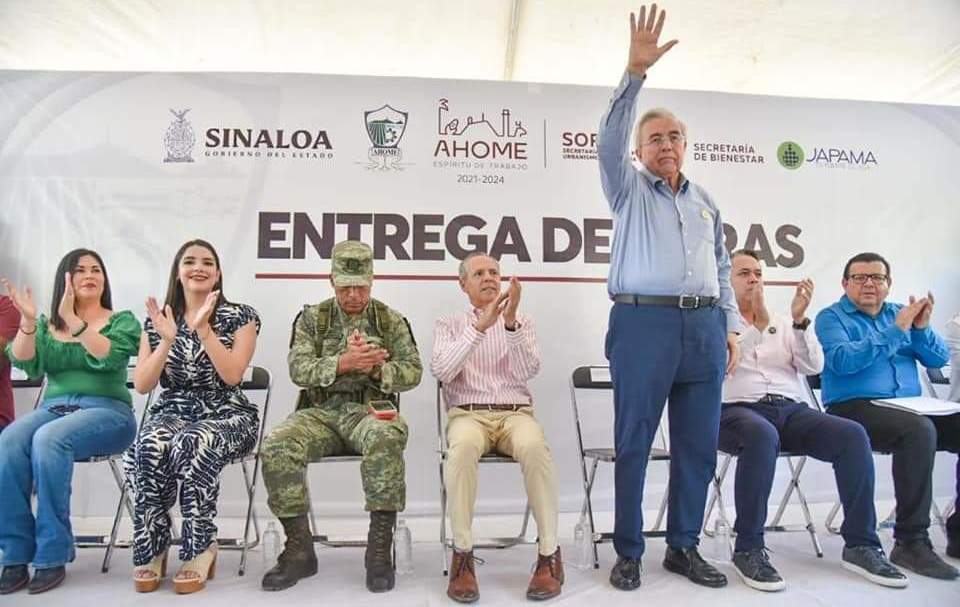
[[346, 317], [655, 179], [851, 308]]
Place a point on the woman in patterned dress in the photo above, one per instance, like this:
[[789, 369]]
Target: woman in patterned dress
[[197, 347]]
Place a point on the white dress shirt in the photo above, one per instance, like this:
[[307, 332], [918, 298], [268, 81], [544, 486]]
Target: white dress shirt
[[771, 361]]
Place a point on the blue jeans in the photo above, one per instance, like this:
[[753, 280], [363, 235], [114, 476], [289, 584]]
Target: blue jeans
[[39, 449]]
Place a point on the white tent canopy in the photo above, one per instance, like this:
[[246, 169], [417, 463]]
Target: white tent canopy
[[885, 50]]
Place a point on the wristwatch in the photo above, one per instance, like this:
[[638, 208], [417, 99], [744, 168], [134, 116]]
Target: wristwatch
[[802, 325]]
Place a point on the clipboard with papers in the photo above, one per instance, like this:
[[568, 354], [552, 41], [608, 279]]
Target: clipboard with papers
[[921, 405]]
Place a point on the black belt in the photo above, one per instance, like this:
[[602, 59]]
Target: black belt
[[686, 302], [772, 398], [491, 407]]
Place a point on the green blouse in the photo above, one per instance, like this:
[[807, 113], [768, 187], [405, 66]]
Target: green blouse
[[70, 369]]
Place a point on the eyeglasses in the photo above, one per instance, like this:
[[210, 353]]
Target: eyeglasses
[[860, 279], [659, 140]]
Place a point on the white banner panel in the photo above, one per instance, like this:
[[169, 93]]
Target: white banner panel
[[274, 169]]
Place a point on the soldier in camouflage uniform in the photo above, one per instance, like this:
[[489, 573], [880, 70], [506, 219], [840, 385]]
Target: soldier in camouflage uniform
[[345, 352]]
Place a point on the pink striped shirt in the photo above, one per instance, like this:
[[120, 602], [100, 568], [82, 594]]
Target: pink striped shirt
[[490, 367]]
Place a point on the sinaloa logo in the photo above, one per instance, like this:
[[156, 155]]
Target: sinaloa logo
[[790, 155]]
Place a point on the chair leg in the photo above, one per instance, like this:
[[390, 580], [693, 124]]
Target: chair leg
[[443, 522], [251, 486], [314, 530], [526, 520], [835, 530], [795, 481], [716, 495], [124, 501], [588, 504], [791, 487], [722, 514]]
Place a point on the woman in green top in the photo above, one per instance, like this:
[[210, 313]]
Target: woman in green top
[[83, 349]]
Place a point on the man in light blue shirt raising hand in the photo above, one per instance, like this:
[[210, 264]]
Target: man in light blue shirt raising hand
[[674, 322]]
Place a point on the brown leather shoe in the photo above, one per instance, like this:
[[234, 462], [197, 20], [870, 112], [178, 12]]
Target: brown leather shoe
[[463, 579], [547, 578]]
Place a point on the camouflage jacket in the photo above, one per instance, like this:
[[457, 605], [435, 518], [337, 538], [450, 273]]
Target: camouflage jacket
[[319, 338]]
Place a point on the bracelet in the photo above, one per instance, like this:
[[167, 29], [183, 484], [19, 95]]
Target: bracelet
[[80, 330], [28, 332]]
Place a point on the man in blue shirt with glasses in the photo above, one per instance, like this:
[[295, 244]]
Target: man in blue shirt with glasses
[[871, 349], [673, 326]]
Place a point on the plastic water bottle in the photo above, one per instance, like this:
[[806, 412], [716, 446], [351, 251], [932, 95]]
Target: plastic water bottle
[[270, 545], [582, 544], [721, 540], [403, 542]]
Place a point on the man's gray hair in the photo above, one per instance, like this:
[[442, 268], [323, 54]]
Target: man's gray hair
[[463, 262], [653, 114]]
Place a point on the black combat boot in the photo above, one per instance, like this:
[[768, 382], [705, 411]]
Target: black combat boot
[[379, 556], [297, 561]]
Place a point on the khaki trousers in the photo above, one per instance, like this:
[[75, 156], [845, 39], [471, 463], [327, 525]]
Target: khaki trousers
[[517, 434]]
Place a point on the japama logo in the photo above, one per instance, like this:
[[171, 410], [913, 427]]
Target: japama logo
[[501, 143], [791, 156], [385, 127], [179, 138]]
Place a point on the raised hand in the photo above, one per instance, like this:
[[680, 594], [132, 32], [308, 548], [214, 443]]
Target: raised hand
[[922, 320], [761, 316], [22, 300], [908, 313], [490, 313], [513, 302], [162, 320], [202, 317], [644, 34], [66, 308], [801, 300]]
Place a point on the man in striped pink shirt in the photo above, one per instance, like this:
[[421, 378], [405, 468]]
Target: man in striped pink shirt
[[484, 357]]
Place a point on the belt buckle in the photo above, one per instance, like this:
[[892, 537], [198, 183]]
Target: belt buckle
[[689, 302]]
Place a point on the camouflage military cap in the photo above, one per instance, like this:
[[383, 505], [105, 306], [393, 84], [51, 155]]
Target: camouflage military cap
[[352, 264]]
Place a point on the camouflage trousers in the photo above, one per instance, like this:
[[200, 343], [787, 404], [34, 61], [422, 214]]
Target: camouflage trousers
[[308, 435]]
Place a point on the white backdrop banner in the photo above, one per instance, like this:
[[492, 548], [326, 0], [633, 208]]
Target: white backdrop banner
[[275, 168]]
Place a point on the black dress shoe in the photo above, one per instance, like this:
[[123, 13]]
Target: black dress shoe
[[688, 562], [625, 574], [46, 579], [13, 578]]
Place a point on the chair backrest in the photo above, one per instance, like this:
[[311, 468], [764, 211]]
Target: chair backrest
[[259, 379], [936, 382], [936, 376], [441, 411], [597, 377], [813, 385]]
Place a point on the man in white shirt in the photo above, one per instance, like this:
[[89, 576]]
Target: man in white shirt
[[764, 411], [484, 355]]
